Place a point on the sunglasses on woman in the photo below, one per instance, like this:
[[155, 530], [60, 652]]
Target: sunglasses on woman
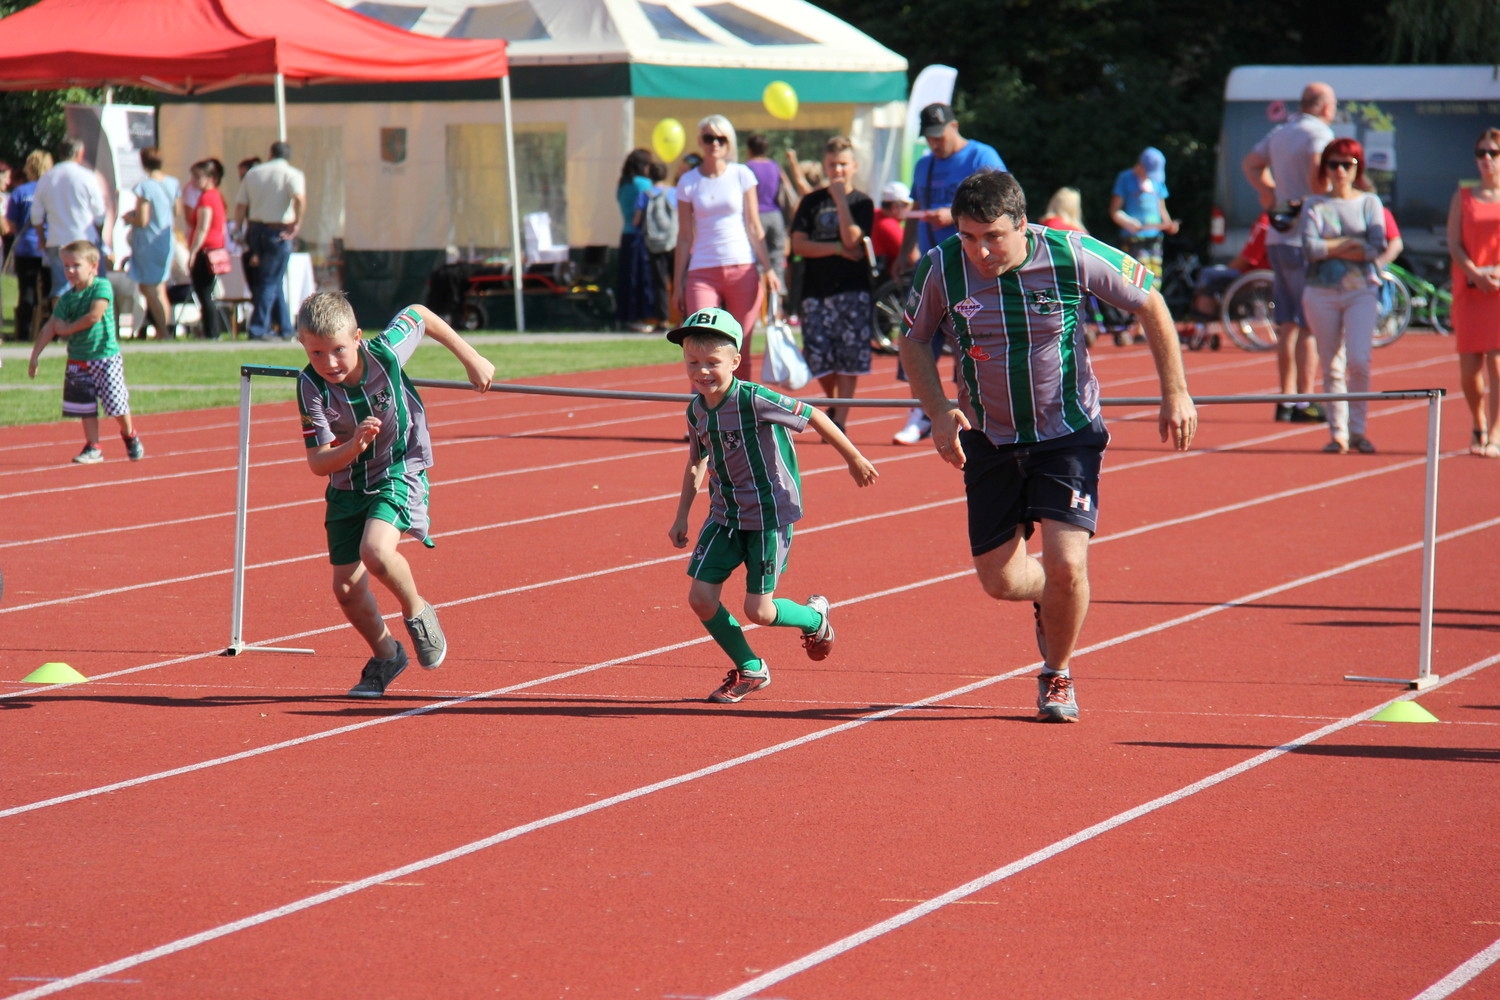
[[1487, 154], [1342, 164], [713, 140]]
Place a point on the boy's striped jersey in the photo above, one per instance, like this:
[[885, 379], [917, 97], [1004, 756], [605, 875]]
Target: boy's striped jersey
[[330, 413], [1023, 364], [753, 480]]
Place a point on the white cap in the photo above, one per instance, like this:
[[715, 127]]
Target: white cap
[[895, 191]]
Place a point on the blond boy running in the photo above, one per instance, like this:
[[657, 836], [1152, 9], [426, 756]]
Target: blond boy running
[[366, 430]]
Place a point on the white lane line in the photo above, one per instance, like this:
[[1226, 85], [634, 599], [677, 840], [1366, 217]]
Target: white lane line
[[498, 474], [786, 971], [309, 556], [959, 893], [1463, 975], [876, 595]]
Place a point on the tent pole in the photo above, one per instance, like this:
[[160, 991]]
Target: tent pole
[[517, 256], [280, 107]]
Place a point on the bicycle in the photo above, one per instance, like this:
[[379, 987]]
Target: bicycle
[[1249, 315], [1432, 303]]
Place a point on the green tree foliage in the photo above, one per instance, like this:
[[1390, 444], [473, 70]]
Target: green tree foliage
[[1447, 31], [33, 119], [1071, 91]]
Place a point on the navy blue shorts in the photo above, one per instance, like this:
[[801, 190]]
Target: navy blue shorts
[[1012, 485]]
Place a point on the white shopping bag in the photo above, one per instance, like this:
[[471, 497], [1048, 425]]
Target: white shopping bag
[[783, 365]]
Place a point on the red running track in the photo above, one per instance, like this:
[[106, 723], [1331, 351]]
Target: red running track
[[556, 812]]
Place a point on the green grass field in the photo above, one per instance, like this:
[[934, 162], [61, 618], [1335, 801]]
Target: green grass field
[[162, 379]]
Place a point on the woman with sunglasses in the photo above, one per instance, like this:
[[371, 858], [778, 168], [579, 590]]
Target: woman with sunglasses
[[1474, 245], [721, 247], [1343, 232]]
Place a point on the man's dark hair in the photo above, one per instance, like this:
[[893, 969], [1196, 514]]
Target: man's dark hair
[[989, 194], [757, 144], [67, 149], [281, 151]]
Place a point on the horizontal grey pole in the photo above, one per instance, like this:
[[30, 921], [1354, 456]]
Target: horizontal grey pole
[[683, 397]]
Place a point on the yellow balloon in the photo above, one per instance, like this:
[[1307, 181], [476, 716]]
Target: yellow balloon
[[780, 99], [668, 138]]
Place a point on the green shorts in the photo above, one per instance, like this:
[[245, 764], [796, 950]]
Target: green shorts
[[720, 549], [401, 502]]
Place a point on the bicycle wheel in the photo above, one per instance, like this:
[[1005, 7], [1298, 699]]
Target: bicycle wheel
[[1395, 310], [1440, 308], [1247, 313], [890, 298]]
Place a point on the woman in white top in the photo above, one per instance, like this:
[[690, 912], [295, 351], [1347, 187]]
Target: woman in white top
[[721, 247]]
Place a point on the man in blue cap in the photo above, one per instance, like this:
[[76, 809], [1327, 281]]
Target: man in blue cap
[[1138, 206]]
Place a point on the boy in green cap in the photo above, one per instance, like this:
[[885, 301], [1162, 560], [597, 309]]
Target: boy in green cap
[[740, 438]]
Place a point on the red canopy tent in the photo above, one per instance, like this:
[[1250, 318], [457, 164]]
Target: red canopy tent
[[198, 46], [194, 46]]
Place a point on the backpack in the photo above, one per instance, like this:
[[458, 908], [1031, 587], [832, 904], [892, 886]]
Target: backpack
[[660, 224]]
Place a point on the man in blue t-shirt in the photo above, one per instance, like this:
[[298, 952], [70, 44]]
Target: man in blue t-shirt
[[934, 182]]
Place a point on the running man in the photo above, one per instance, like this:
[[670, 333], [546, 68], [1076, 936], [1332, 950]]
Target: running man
[[1027, 431]]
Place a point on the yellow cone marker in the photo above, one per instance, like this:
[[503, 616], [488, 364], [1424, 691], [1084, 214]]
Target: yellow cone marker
[[1403, 711], [54, 673]]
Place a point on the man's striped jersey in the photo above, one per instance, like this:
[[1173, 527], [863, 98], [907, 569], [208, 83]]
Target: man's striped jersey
[[753, 483], [330, 413], [1024, 371]]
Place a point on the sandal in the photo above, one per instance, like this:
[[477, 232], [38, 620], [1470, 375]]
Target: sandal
[[1336, 447], [1361, 444]]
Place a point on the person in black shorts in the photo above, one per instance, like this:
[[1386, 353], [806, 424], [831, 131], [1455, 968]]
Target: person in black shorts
[[1028, 431], [828, 233]]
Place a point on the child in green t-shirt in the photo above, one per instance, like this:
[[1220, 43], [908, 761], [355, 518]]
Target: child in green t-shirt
[[85, 315]]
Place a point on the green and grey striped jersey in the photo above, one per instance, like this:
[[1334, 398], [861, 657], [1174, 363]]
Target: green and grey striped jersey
[[330, 413], [1024, 371], [753, 483]]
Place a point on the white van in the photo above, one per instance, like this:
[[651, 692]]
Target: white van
[[1417, 124]]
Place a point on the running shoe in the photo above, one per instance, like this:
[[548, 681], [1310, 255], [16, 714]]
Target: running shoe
[[378, 674], [1041, 636], [917, 428], [1054, 698], [134, 448], [90, 455], [820, 643], [738, 683], [427, 638], [1308, 413]]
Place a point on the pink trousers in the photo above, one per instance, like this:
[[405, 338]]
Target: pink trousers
[[737, 290]]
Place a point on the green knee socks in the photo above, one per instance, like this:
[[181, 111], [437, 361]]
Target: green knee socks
[[794, 615], [731, 639]]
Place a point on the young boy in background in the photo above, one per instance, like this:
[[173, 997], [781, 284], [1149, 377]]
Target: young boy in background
[[85, 315], [366, 430], [739, 438]]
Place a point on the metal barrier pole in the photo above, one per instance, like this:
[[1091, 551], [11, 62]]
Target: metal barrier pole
[[241, 517], [1425, 677]]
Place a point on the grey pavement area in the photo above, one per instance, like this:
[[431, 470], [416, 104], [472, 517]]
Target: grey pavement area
[[20, 350]]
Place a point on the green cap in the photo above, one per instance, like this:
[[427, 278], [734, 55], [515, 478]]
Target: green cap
[[709, 321]]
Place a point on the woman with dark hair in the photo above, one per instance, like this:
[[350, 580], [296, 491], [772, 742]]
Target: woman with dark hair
[[151, 237], [635, 305], [1343, 232], [206, 218], [1474, 245]]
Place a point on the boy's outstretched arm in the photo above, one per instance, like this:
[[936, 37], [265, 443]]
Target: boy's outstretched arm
[[692, 480], [859, 467], [480, 370]]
